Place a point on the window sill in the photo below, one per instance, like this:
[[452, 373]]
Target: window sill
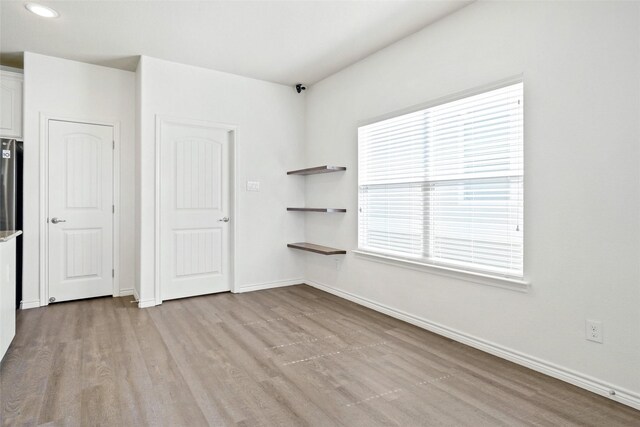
[[483, 279]]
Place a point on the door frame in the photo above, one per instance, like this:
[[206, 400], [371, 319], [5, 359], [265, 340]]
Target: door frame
[[43, 237], [161, 119]]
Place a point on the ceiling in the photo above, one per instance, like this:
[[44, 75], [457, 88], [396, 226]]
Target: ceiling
[[279, 41]]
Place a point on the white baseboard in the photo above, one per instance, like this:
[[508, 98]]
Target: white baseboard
[[241, 289], [583, 381], [268, 285], [125, 292], [143, 304], [25, 305], [147, 303]]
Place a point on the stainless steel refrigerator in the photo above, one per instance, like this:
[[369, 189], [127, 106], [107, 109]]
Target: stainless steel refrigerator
[[11, 199]]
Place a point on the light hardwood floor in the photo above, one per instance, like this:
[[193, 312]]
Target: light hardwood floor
[[288, 356]]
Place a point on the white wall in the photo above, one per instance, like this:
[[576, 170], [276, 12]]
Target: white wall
[[270, 120], [581, 67], [75, 90]]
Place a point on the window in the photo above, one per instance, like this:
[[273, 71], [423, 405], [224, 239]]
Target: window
[[444, 186]]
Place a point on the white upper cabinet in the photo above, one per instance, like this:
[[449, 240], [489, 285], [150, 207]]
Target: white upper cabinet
[[11, 104]]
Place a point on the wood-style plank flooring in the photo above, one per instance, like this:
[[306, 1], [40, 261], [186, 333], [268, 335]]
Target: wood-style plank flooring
[[291, 356]]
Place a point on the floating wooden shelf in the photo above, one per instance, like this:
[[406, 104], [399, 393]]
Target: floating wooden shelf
[[327, 210], [317, 170], [304, 246], [323, 250]]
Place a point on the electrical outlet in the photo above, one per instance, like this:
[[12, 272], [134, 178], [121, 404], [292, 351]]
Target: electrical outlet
[[594, 331]]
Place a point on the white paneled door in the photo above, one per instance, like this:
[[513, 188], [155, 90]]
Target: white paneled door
[[194, 209], [80, 227]]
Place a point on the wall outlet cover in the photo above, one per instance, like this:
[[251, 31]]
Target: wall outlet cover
[[594, 331]]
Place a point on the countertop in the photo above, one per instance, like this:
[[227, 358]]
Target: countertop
[[7, 235]]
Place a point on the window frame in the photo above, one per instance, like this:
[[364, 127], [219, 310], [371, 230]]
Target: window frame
[[488, 278]]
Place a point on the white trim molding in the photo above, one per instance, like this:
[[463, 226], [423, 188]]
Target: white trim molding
[[236, 289], [25, 305], [143, 304], [268, 285], [147, 303], [467, 276], [125, 292], [586, 382]]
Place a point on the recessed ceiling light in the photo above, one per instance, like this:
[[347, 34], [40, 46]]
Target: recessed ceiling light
[[40, 10]]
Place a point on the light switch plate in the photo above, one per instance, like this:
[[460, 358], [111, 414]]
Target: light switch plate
[[253, 185]]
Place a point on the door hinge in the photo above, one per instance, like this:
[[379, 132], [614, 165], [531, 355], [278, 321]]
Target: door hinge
[[113, 208], [113, 145], [113, 272]]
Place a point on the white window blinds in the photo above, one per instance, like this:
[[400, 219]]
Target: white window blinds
[[444, 185]]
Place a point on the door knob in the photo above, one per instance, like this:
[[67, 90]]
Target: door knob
[[225, 219], [55, 220]]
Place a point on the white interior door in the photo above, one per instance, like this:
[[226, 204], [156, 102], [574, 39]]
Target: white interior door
[[194, 210], [80, 215]]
